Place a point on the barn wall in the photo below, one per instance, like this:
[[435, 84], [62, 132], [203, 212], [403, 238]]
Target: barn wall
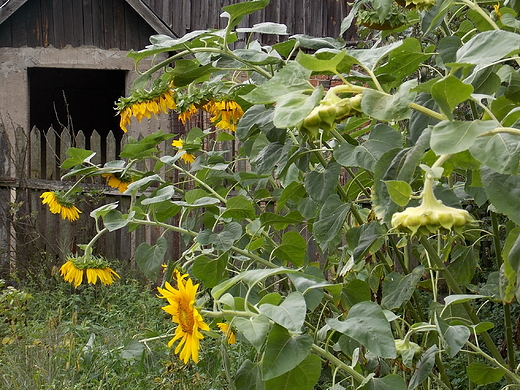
[[311, 17], [14, 88], [58, 23]]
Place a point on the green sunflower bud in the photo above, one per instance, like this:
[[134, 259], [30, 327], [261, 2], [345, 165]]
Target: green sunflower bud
[[432, 215]]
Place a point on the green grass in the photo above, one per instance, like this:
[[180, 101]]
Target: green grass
[[88, 339]]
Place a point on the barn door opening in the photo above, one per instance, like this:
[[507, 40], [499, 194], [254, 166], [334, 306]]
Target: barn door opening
[[76, 101]]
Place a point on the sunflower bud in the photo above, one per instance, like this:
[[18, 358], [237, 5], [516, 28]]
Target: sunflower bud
[[432, 215]]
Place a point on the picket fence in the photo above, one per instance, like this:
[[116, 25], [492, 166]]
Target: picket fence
[[29, 233]]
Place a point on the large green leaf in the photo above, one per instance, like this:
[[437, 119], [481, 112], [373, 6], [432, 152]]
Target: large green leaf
[[292, 78], [482, 374], [319, 65], [149, 258], [162, 194], [369, 58], [463, 264], [292, 108], [382, 138], [283, 352], [389, 382], [362, 238], [400, 191], [222, 240], [384, 107], [239, 207], [237, 11], [249, 377], [488, 47], [267, 158], [320, 185], [254, 329], [449, 137], [290, 313], [355, 292], [500, 152], [292, 249], [424, 367], [455, 338], [449, 92], [398, 289], [210, 271], [331, 219], [302, 377], [404, 60], [503, 191], [256, 118], [77, 157], [367, 323]]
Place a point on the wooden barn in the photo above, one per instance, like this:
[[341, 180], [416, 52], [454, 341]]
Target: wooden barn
[[63, 64]]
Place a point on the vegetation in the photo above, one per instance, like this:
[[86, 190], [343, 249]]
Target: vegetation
[[349, 255]]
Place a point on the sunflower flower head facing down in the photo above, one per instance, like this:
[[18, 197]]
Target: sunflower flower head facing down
[[225, 114], [224, 328], [61, 203], [186, 114], [118, 181], [182, 309], [145, 104], [189, 148], [75, 269]]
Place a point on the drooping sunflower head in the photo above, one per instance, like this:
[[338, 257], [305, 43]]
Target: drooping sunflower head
[[225, 114], [224, 328], [182, 309], [116, 180], [144, 103], [60, 202], [94, 267]]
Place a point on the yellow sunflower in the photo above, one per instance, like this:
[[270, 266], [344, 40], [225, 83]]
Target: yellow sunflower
[[225, 114], [61, 203], [146, 108], [114, 181], [186, 115], [187, 157], [224, 328], [74, 270], [182, 308]]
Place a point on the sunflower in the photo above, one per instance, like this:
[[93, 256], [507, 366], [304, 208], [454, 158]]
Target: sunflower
[[145, 107], [187, 157], [182, 308], [61, 203], [94, 267], [117, 181], [188, 113], [224, 114], [224, 328]]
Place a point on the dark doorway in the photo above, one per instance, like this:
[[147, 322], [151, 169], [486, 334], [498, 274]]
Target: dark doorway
[[78, 99]]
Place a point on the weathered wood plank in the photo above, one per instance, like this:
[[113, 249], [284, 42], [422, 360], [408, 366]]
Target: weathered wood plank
[[47, 22], [88, 26], [19, 27], [50, 156], [97, 23], [108, 25], [78, 37], [35, 158], [58, 27], [65, 144]]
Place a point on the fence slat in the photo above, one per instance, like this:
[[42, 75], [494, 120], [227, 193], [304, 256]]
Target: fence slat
[[35, 157], [50, 156], [65, 144]]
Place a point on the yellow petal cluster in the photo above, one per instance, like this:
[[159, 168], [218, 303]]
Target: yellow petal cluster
[[187, 157], [73, 271], [225, 114], [139, 110], [186, 115], [67, 211], [116, 182], [224, 328], [182, 308]]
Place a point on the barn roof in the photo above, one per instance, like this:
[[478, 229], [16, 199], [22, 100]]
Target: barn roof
[[10, 6]]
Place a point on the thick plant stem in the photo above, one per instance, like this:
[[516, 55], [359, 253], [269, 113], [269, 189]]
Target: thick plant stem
[[454, 286], [509, 374], [338, 363], [507, 311]]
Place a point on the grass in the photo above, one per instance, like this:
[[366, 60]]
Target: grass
[[89, 339]]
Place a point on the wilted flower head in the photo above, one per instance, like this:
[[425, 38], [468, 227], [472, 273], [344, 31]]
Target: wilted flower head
[[94, 267], [61, 203]]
